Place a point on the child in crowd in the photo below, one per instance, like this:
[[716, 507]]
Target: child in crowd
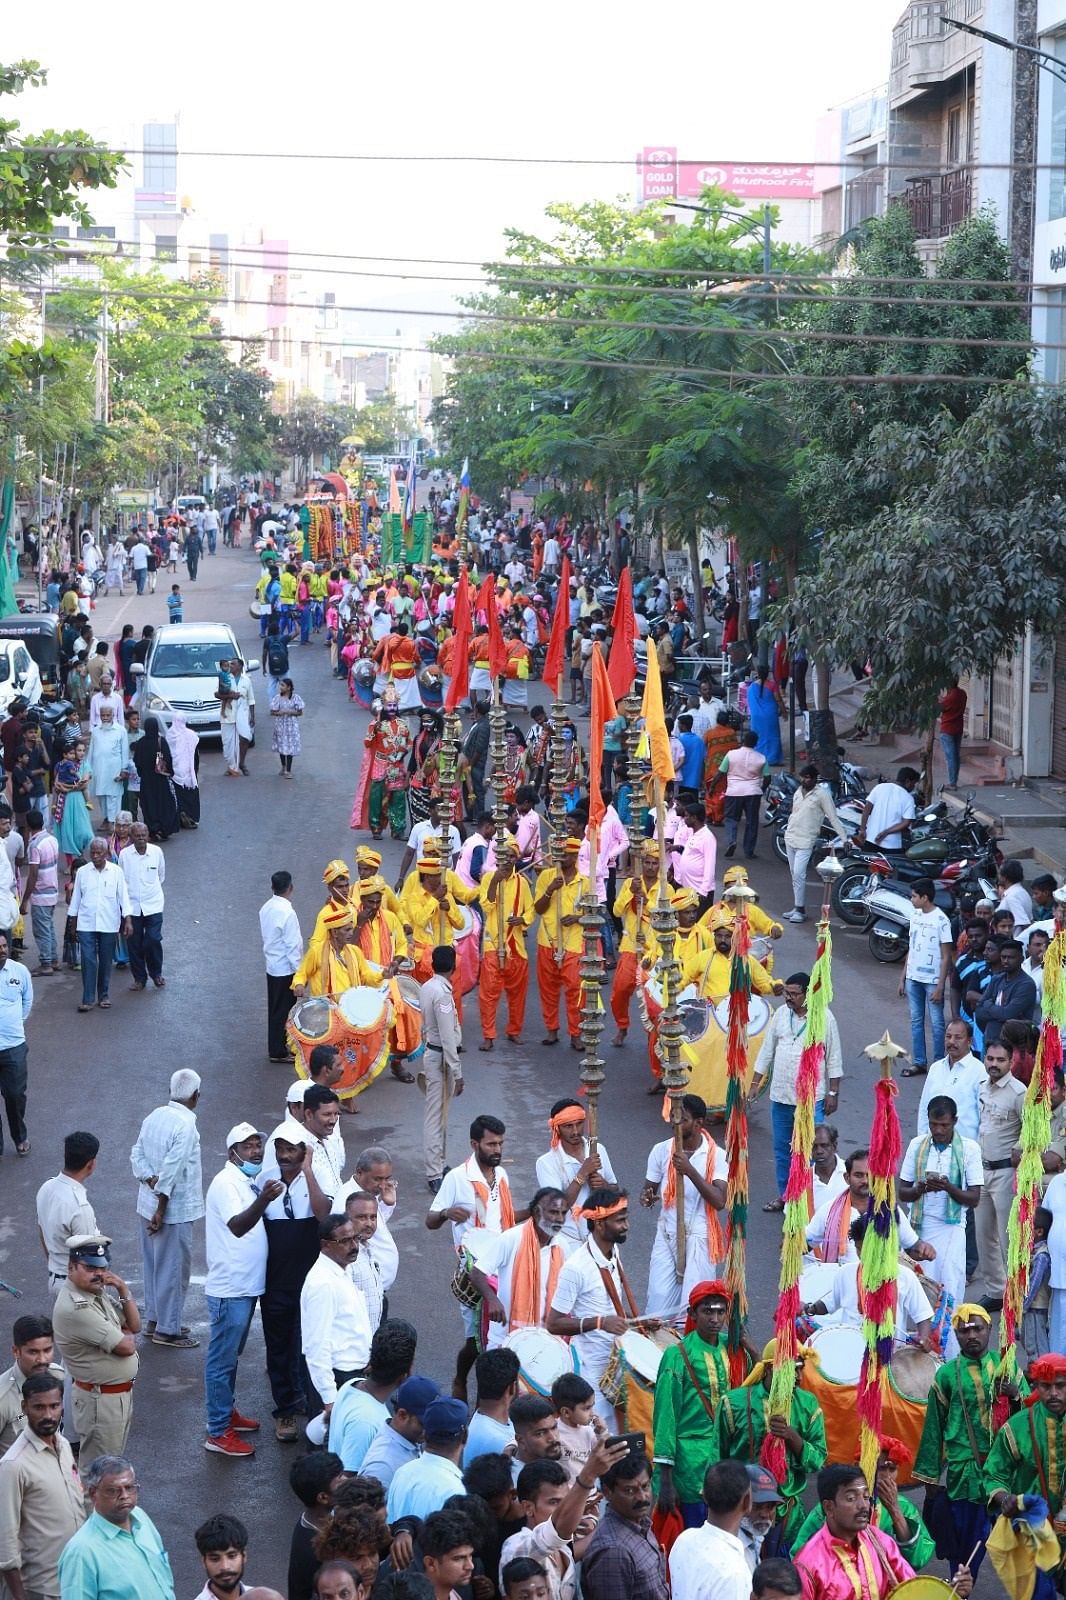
[[525, 1579], [1035, 1307], [575, 1401], [174, 603]]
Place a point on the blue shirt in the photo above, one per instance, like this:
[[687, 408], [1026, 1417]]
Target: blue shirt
[[389, 1451], [422, 1487], [103, 1562], [353, 1422], [16, 1000], [486, 1437], [695, 756]]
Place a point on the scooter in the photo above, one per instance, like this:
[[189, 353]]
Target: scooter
[[889, 910], [934, 841]]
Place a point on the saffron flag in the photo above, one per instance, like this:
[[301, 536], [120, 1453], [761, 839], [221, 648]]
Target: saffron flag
[[651, 710], [622, 662], [462, 624], [394, 493], [464, 498], [556, 651], [497, 649], [409, 495], [602, 710], [481, 599]]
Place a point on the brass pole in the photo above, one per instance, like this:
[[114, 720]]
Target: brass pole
[[557, 806], [498, 723], [671, 1032], [593, 974]]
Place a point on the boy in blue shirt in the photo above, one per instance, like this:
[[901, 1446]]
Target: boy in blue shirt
[[174, 603]]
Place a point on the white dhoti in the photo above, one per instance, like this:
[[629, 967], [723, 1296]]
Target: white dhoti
[[948, 1239], [410, 696], [594, 1351], [480, 678], [665, 1293], [516, 692]]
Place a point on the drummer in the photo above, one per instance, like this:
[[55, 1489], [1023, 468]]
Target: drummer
[[429, 906], [743, 1419], [573, 1166], [829, 1230], [759, 923], [913, 1311], [712, 972], [1027, 1454], [956, 1437], [890, 1511], [703, 1171], [593, 1304], [339, 889], [368, 865], [338, 963], [523, 1263], [381, 939], [693, 1375], [694, 938]]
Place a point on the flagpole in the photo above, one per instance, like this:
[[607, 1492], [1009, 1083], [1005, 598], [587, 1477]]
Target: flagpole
[[498, 722], [592, 980], [557, 807], [671, 1031]]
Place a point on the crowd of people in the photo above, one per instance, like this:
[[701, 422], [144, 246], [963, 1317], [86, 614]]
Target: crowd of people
[[526, 1488]]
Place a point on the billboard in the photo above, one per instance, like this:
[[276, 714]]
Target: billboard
[[661, 176]]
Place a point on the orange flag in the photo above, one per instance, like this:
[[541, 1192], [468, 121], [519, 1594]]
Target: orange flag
[[622, 662], [602, 710], [662, 765], [497, 648], [462, 624], [553, 656]]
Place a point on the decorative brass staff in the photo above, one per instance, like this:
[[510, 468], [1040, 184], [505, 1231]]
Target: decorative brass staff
[[498, 725], [630, 709], [879, 1255], [663, 919], [592, 979]]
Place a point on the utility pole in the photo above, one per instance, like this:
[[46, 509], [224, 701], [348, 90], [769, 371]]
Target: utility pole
[[102, 405]]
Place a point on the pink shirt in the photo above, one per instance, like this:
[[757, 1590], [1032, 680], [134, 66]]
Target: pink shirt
[[612, 841], [466, 854], [694, 865], [744, 772], [825, 1576], [527, 838]]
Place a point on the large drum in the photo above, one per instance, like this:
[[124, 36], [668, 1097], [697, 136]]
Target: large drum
[[468, 949], [411, 997], [357, 1024], [542, 1357], [361, 679], [706, 1032], [431, 687], [833, 1380], [628, 1381]]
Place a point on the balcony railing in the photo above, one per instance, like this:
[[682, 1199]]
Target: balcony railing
[[939, 204]]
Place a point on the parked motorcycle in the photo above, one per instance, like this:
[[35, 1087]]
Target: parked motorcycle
[[935, 840], [889, 909]]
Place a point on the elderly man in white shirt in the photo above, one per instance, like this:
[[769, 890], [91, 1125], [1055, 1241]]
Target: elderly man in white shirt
[[958, 1074], [166, 1163], [334, 1321], [283, 950], [101, 910], [373, 1176], [145, 873], [779, 1060], [106, 695]]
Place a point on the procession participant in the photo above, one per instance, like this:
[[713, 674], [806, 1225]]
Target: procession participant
[[913, 1311], [97, 1338], [847, 1557], [429, 906], [712, 973], [693, 939], [433, 827], [587, 1306], [759, 922], [440, 1073], [941, 1178], [829, 1230], [396, 657], [693, 1375], [507, 915], [382, 940], [1027, 1453], [382, 786], [896, 1514], [336, 877], [528, 831], [573, 1167], [704, 1173], [338, 963], [472, 1196], [693, 866], [633, 905], [742, 1421], [779, 1060], [828, 1172], [368, 865], [957, 1436], [33, 1349], [557, 901], [524, 1263]]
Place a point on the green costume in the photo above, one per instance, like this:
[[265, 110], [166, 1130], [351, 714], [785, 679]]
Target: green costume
[[741, 1427], [958, 1429], [683, 1429], [916, 1549], [1028, 1456]]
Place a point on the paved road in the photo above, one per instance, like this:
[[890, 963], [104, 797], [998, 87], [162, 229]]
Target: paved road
[[104, 1071]]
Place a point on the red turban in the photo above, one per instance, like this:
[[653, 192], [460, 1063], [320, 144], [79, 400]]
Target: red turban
[[710, 1288]]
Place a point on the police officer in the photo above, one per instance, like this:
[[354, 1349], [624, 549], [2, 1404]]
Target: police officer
[[95, 1332], [441, 1072]]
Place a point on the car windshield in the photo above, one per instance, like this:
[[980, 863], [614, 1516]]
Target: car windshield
[[189, 660], [5, 667]]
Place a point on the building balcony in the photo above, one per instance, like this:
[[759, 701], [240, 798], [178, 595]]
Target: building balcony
[[938, 204], [926, 50]]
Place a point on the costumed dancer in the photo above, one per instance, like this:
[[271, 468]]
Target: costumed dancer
[[338, 964], [382, 787], [692, 1378], [890, 1511], [1028, 1454], [429, 906], [633, 904]]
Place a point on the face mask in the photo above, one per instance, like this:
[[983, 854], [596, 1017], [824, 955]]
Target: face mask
[[251, 1168]]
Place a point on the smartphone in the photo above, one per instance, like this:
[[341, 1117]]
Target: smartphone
[[633, 1441]]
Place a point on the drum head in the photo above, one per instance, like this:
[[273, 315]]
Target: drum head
[[364, 671], [839, 1351], [912, 1371], [641, 1354], [362, 1007], [311, 1017], [930, 1288], [469, 926], [816, 1280], [923, 1588], [542, 1357], [411, 990], [695, 1017]]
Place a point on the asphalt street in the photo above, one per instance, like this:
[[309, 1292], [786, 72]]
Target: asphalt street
[[104, 1071]]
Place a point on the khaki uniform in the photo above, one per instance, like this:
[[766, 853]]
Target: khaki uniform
[[87, 1327], [998, 1132], [42, 1506], [11, 1418], [440, 1070]]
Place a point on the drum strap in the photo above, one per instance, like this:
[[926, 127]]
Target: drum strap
[[978, 1455], [608, 1284], [690, 1369]]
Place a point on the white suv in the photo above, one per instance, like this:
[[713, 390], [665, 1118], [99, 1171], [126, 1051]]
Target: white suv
[[181, 674]]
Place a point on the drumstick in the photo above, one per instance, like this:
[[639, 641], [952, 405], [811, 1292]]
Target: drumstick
[[969, 1558]]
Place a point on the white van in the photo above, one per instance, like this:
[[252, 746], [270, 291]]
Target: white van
[[181, 674]]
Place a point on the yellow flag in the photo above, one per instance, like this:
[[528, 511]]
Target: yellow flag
[[654, 720]]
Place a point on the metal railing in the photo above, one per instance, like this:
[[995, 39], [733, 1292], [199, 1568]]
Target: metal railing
[[939, 204]]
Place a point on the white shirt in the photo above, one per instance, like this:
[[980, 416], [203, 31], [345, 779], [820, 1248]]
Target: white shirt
[[816, 1227], [1017, 901], [381, 1248], [495, 1254], [890, 805], [557, 1170], [145, 876], [961, 1082], [912, 1306], [542, 1543], [825, 1192], [279, 928], [581, 1292], [458, 1190], [939, 1161], [929, 930], [101, 898], [63, 1209], [1055, 1201], [334, 1325], [100, 701], [708, 1563], [551, 552], [139, 556], [425, 830], [659, 1158], [236, 1268]]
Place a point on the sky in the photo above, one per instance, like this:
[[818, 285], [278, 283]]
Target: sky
[[575, 80]]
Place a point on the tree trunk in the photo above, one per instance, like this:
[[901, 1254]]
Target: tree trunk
[[927, 763], [693, 542], [822, 744]]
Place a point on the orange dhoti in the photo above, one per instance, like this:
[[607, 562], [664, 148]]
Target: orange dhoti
[[424, 971], [624, 988], [511, 979], [555, 979]]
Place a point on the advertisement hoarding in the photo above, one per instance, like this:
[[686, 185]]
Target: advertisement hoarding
[[661, 176]]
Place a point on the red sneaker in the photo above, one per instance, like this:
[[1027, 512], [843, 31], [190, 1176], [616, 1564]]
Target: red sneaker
[[228, 1444], [239, 1424]]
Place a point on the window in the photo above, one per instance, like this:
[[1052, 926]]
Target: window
[[1057, 173], [160, 157], [971, 128], [1054, 361], [954, 150], [166, 247]]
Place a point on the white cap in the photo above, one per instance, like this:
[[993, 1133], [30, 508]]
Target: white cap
[[294, 1094], [238, 1134]]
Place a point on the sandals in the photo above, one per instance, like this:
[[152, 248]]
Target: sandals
[[401, 1074], [774, 1205], [914, 1072]]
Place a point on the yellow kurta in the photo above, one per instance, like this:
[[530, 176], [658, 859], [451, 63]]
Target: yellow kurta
[[565, 902], [419, 910], [758, 921], [325, 972], [516, 899], [390, 901], [694, 945], [383, 940], [624, 908], [712, 975]]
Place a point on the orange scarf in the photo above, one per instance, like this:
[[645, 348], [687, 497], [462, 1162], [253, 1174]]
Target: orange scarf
[[833, 1245], [375, 941], [715, 1243], [506, 1208], [527, 1302]]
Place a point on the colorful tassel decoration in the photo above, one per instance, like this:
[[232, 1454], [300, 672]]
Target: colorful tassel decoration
[[797, 1193], [736, 1132], [879, 1261]]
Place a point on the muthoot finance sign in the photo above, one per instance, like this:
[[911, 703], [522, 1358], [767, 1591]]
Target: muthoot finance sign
[[661, 176]]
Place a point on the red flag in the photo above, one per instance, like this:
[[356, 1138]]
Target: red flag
[[602, 710], [461, 623], [622, 662], [481, 601], [497, 649], [554, 657]]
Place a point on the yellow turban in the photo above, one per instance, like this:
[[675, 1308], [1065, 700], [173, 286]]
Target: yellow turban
[[684, 899], [374, 885], [766, 1361], [967, 1311], [717, 918], [339, 917], [735, 875], [367, 857], [336, 869]]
